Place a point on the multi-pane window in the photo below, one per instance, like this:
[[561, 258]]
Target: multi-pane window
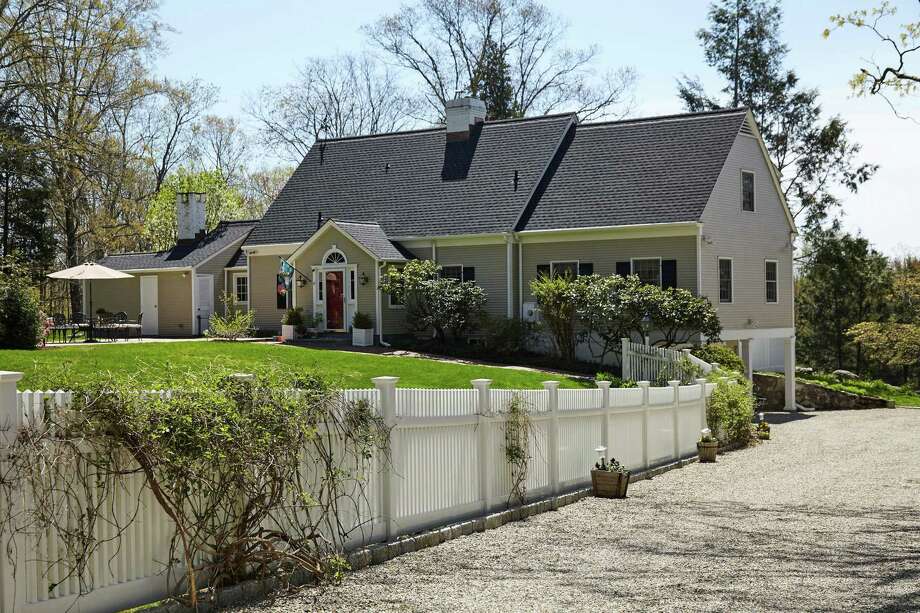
[[770, 279], [725, 280], [648, 270], [564, 269], [241, 289], [747, 190], [452, 272]]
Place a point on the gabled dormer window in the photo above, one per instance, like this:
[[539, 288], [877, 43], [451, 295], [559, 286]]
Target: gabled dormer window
[[747, 190]]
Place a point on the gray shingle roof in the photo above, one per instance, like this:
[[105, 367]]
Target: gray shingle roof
[[403, 182], [182, 256], [653, 170], [373, 238], [237, 260]]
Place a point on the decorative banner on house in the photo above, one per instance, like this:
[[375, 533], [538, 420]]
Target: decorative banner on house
[[282, 291]]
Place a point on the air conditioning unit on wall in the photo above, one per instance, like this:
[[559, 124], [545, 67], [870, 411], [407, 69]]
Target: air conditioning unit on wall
[[530, 312]]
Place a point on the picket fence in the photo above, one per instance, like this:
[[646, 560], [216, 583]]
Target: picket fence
[[447, 465], [646, 363]]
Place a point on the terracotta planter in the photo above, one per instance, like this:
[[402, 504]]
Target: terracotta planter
[[608, 484], [707, 451]]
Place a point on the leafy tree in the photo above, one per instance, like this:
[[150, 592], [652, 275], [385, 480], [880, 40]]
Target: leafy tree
[[679, 316], [844, 281], [432, 302], [491, 83], [558, 298], [442, 43], [892, 77], [813, 157], [20, 317], [610, 308], [223, 203]]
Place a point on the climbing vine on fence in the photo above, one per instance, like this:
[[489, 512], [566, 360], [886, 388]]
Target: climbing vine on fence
[[254, 473], [517, 446]]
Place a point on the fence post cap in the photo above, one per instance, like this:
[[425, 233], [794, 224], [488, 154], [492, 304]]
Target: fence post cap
[[602, 384], [385, 380], [481, 382], [551, 384], [701, 381], [686, 350], [10, 376], [643, 383], [715, 365], [674, 383]]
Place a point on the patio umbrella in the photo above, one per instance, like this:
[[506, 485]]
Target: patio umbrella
[[87, 272]]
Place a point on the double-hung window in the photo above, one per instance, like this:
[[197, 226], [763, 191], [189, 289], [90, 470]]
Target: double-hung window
[[726, 289], [241, 288], [459, 272], [648, 270], [770, 281]]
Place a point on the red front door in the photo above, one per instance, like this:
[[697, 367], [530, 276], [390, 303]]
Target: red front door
[[335, 300]]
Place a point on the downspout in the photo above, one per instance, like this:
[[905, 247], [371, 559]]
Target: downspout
[[520, 304], [699, 266], [509, 266], [195, 322]]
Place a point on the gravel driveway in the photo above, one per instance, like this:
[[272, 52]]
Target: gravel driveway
[[825, 517]]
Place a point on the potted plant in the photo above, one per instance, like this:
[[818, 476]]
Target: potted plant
[[292, 320], [610, 479], [362, 330], [763, 429], [707, 446]]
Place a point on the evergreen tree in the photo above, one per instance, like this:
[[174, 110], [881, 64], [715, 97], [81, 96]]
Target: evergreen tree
[[491, 83], [844, 281], [813, 156]]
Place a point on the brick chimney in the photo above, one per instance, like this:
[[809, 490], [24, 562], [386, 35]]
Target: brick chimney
[[190, 216], [461, 114]]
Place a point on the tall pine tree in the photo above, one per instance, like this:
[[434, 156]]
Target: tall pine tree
[[814, 156], [491, 83]]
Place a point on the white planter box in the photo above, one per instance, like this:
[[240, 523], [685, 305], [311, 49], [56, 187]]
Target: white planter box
[[361, 337], [287, 332]]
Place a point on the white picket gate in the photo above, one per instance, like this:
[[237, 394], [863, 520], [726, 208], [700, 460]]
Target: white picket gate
[[447, 464], [646, 363]]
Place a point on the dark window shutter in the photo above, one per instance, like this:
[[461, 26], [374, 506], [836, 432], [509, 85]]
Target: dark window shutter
[[624, 269], [585, 268], [668, 273], [542, 270], [469, 273]]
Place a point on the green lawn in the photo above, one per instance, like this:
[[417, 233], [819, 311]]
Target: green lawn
[[349, 369], [902, 396]]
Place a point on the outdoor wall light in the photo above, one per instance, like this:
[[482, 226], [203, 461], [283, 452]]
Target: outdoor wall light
[[301, 281]]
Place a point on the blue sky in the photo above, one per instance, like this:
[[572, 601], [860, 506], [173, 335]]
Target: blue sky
[[240, 46]]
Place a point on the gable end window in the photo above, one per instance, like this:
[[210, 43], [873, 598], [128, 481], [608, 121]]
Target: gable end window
[[771, 280], [726, 288], [747, 190]]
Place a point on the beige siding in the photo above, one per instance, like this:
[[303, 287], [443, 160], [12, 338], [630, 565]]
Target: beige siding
[[215, 268], [174, 300], [366, 293], [116, 295], [605, 254], [262, 275], [749, 238], [490, 262]]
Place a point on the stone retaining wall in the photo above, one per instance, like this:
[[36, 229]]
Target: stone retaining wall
[[772, 387]]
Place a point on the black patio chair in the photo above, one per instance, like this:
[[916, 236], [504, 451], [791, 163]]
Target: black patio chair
[[78, 321], [120, 324], [59, 328], [135, 326]]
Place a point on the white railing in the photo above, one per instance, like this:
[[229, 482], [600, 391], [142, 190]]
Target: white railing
[[446, 464], [646, 363]]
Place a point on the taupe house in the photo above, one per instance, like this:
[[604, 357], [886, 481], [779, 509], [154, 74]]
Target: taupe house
[[175, 291], [688, 201]]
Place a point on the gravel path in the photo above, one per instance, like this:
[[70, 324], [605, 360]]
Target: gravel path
[[825, 517]]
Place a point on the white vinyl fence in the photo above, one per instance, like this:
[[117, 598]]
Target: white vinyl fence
[[647, 363], [447, 464]]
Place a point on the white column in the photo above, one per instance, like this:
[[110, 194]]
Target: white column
[[789, 371], [509, 274], [389, 486], [11, 419], [485, 455], [746, 357], [552, 397]]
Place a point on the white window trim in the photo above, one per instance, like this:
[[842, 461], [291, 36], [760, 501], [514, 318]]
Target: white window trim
[[632, 267], [775, 282], [241, 275], [741, 190], [719, 280], [552, 265], [334, 249]]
